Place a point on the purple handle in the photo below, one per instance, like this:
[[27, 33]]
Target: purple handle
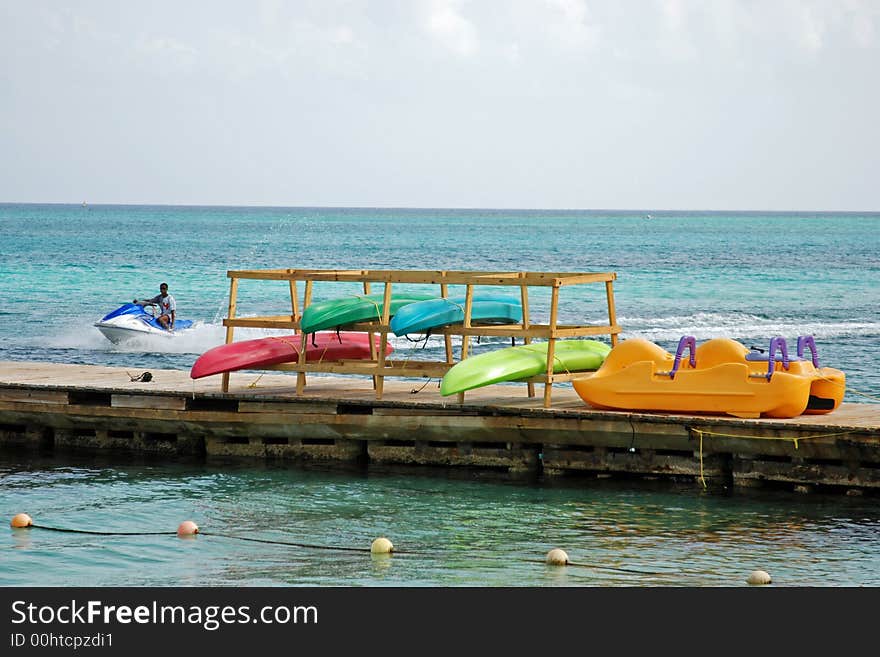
[[688, 341], [805, 341], [771, 358]]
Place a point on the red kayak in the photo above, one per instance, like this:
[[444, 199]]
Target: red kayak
[[253, 354]]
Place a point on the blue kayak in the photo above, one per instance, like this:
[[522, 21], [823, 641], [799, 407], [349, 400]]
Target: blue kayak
[[333, 313], [422, 316]]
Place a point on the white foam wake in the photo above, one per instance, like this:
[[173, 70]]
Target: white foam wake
[[739, 325]]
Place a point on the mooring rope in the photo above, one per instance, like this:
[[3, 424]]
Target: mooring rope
[[794, 439], [97, 533], [600, 567], [339, 548], [291, 544], [216, 535], [849, 390]]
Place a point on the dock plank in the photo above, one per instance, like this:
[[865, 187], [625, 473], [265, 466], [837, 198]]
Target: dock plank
[[339, 418]]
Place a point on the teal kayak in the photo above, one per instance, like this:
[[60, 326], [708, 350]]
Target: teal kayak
[[423, 316], [521, 362], [334, 313]]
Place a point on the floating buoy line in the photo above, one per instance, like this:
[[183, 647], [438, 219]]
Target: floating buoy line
[[556, 558], [189, 529]]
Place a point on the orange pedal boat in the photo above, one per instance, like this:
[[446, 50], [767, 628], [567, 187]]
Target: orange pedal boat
[[720, 376]]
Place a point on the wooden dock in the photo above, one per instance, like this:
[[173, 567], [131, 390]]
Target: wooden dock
[[83, 407]]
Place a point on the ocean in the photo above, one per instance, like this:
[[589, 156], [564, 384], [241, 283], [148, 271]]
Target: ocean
[[746, 275]]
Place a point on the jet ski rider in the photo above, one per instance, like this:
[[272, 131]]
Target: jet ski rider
[[167, 306]]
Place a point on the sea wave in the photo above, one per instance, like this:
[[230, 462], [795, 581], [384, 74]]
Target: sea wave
[[204, 336], [740, 325]]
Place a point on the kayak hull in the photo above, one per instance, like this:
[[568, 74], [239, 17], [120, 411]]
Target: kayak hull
[[521, 362], [262, 352], [422, 316], [333, 313]]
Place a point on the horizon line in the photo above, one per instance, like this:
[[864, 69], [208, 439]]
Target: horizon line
[[418, 207]]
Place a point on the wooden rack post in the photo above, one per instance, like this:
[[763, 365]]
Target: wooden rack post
[[524, 301], [374, 355], [612, 313], [301, 361], [551, 344], [447, 338], [230, 328]]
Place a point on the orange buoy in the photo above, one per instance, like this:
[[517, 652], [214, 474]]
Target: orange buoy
[[187, 528], [21, 520]]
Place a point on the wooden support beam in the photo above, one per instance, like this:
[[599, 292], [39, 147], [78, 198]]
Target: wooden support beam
[[551, 346], [524, 300], [294, 309], [612, 313], [230, 330], [447, 338], [383, 343]]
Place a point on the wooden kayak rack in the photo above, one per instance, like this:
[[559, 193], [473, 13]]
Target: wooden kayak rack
[[380, 366]]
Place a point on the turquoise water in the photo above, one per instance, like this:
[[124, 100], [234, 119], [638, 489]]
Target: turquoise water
[[463, 531], [749, 276]]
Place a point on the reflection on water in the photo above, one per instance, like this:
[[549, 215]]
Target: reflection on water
[[461, 530]]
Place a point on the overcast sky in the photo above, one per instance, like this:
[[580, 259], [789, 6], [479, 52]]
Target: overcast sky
[[663, 104]]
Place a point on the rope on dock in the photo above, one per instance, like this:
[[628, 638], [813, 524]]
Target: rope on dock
[[856, 392], [715, 434], [849, 390], [416, 391]]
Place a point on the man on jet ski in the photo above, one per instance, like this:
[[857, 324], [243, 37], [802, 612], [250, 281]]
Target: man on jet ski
[[167, 306]]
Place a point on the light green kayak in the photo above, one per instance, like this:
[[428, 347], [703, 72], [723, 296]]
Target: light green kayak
[[521, 362], [334, 313]]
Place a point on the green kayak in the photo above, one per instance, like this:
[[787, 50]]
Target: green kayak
[[521, 362], [334, 313]]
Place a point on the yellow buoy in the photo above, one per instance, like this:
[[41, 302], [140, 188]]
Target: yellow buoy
[[187, 528], [21, 520], [557, 557], [759, 578], [381, 546]]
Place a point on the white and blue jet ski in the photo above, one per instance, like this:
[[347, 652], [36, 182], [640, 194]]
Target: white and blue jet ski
[[132, 320]]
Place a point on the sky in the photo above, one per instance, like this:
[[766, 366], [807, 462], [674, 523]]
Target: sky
[[579, 104]]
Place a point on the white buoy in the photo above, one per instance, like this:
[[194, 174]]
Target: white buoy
[[381, 546], [759, 578], [557, 557]]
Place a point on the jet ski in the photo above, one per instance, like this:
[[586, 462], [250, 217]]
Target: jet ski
[[132, 320]]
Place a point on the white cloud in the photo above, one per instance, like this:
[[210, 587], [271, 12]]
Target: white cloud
[[341, 34], [864, 31], [449, 27], [809, 28], [674, 14], [409, 86], [571, 24], [512, 53], [166, 46]]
